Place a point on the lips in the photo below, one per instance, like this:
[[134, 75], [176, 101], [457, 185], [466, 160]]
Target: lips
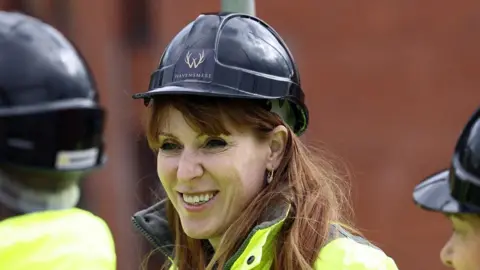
[[198, 198]]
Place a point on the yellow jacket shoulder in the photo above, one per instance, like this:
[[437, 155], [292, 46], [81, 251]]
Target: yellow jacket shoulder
[[347, 254]]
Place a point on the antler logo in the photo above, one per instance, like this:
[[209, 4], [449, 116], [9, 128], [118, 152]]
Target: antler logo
[[194, 62]]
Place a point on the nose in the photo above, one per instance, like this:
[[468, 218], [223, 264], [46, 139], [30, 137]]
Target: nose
[[446, 254], [189, 166]]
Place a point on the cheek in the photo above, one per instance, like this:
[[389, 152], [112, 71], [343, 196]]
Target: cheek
[[251, 173], [474, 251], [252, 178], [166, 170], [466, 252], [238, 171]]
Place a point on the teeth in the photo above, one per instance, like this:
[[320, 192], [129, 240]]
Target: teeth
[[198, 199]]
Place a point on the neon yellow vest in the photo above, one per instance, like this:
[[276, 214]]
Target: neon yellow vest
[[343, 253], [70, 239]]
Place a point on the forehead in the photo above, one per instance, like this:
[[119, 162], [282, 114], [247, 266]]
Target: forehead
[[470, 219], [173, 121]]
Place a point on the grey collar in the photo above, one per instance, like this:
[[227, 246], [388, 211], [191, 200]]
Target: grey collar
[[153, 225], [20, 198]]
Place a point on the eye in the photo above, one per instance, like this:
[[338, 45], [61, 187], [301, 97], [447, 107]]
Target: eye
[[215, 143], [169, 146]]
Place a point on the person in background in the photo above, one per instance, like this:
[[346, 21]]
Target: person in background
[[226, 111], [455, 192], [51, 136]]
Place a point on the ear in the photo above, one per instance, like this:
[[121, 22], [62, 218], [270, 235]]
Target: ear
[[278, 142]]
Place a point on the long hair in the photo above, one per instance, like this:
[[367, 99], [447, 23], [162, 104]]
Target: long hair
[[309, 184]]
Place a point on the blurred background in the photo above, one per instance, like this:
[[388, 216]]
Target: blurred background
[[390, 84]]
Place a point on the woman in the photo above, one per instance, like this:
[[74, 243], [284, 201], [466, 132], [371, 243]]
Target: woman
[[456, 193], [226, 108]]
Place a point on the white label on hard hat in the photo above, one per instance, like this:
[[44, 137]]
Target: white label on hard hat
[[76, 159]]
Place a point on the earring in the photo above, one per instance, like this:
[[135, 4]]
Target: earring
[[270, 177]]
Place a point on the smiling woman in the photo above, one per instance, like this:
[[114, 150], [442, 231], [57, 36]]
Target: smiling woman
[[243, 191], [223, 147]]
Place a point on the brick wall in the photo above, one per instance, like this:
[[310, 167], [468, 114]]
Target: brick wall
[[390, 84]]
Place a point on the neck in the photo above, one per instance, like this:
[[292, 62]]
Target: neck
[[214, 242], [23, 199]]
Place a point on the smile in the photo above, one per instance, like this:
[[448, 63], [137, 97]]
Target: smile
[[198, 198]]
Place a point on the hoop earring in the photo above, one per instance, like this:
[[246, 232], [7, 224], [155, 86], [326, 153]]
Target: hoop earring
[[270, 177]]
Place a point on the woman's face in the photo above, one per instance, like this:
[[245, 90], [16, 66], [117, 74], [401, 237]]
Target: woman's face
[[210, 180], [462, 250]]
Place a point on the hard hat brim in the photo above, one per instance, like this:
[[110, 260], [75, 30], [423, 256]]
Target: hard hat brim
[[433, 194], [215, 90], [201, 89]]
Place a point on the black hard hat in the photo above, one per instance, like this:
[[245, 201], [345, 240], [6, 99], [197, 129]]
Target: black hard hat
[[50, 118], [456, 190], [232, 55]]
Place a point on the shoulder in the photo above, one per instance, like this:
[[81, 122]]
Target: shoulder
[[88, 218], [93, 226], [58, 220], [353, 253], [77, 239]]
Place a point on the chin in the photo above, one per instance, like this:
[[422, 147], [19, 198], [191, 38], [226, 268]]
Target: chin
[[195, 234], [198, 230]]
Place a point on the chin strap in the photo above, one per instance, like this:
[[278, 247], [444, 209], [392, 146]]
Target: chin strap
[[26, 200]]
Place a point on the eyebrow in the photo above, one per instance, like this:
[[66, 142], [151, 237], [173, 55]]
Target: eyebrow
[[168, 134]]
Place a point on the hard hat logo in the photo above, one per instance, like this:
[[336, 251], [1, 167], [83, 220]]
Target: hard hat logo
[[194, 62], [193, 65]]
